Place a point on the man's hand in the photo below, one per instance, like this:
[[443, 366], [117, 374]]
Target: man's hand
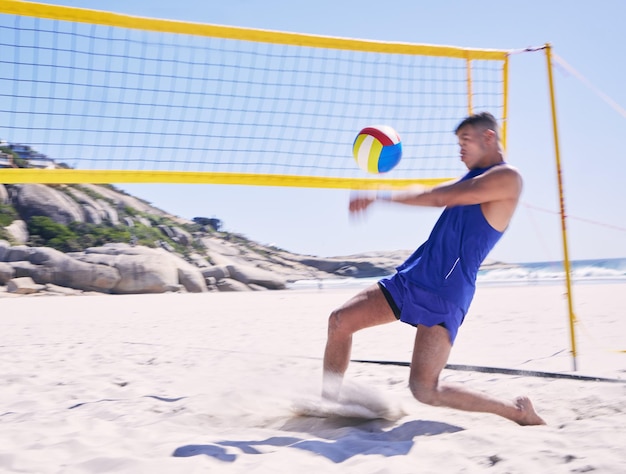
[[359, 203]]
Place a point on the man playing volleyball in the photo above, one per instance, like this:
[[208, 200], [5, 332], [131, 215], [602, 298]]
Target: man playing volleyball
[[433, 288]]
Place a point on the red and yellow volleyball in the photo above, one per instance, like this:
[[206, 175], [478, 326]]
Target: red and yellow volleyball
[[377, 149]]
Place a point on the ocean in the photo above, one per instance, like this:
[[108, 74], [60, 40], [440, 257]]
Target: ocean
[[581, 271], [611, 270]]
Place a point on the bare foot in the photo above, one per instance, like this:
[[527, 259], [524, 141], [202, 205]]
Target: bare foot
[[527, 414]]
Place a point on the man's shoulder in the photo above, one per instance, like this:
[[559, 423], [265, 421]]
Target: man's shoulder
[[501, 182], [505, 170]]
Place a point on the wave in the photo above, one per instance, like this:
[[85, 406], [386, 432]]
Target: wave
[[600, 270]]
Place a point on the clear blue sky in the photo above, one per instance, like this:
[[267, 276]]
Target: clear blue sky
[[590, 36]]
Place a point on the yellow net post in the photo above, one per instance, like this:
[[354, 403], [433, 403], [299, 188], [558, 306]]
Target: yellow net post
[[505, 103], [470, 107], [566, 262]]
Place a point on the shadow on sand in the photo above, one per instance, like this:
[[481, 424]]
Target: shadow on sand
[[337, 439]]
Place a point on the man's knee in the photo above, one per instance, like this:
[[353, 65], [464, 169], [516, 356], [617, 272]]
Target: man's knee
[[340, 323], [335, 325], [423, 392]]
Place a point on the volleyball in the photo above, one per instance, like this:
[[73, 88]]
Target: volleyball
[[377, 149]]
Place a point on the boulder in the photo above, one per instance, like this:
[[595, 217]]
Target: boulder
[[220, 247], [96, 208], [40, 200], [199, 261], [94, 213], [218, 272], [4, 194], [189, 276], [5, 246], [6, 273], [166, 231], [48, 265], [181, 236], [110, 213], [146, 270], [16, 253], [228, 284], [61, 290], [144, 274], [140, 271], [23, 286], [248, 274], [24, 268], [18, 231]]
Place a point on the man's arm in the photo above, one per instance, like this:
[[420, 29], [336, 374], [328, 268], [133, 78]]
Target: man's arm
[[498, 184]]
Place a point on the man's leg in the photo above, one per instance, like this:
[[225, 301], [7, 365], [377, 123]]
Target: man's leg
[[430, 354], [368, 308]]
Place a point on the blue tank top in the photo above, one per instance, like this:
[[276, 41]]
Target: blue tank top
[[447, 263]]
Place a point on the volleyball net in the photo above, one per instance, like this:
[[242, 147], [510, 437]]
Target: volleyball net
[[96, 97]]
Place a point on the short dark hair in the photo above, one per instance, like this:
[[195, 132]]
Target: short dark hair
[[483, 120]]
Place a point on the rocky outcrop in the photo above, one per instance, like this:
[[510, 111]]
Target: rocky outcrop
[[116, 269], [88, 203], [290, 266], [365, 265], [124, 269], [183, 258]]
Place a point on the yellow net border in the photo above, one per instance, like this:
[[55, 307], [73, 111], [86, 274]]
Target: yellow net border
[[55, 12], [81, 15]]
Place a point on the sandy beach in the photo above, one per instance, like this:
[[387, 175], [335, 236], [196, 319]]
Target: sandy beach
[[196, 383]]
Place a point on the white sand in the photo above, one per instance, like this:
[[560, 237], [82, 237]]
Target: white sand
[[206, 383]]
